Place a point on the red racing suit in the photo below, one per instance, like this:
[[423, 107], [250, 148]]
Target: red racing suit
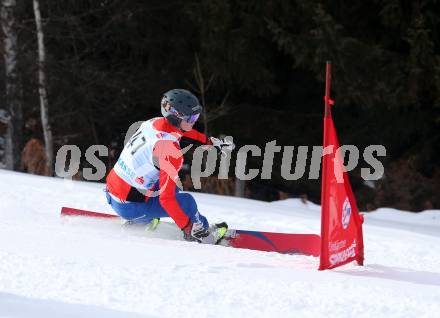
[[152, 157]]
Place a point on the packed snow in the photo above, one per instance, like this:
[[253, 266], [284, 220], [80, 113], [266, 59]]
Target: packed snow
[[81, 267]]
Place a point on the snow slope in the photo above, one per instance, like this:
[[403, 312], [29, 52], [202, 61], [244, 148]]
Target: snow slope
[[54, 267]]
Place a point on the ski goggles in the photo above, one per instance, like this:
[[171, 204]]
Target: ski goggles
[[191, 119]]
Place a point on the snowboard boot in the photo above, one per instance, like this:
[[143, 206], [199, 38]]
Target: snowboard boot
[[153, 224], [218, 231]]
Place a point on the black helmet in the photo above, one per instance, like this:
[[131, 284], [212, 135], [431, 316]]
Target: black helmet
[[180, 104]]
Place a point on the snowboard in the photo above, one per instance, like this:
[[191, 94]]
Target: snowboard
[[284, 243]]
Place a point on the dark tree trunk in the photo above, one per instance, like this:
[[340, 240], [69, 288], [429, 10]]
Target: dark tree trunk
[[13, 138]]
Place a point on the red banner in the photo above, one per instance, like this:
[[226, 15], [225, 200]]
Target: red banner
[[341, 223]]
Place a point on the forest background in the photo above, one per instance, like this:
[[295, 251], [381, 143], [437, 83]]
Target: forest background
[[258, 68]]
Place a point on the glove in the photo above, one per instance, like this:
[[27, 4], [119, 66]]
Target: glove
[[222, 145], [197, 232]]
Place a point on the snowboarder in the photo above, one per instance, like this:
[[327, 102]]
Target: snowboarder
[[142, 188]]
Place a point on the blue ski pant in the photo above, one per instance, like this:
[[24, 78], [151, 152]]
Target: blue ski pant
[[144, 212]]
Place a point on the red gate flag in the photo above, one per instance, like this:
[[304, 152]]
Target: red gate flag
[[341, 223]]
